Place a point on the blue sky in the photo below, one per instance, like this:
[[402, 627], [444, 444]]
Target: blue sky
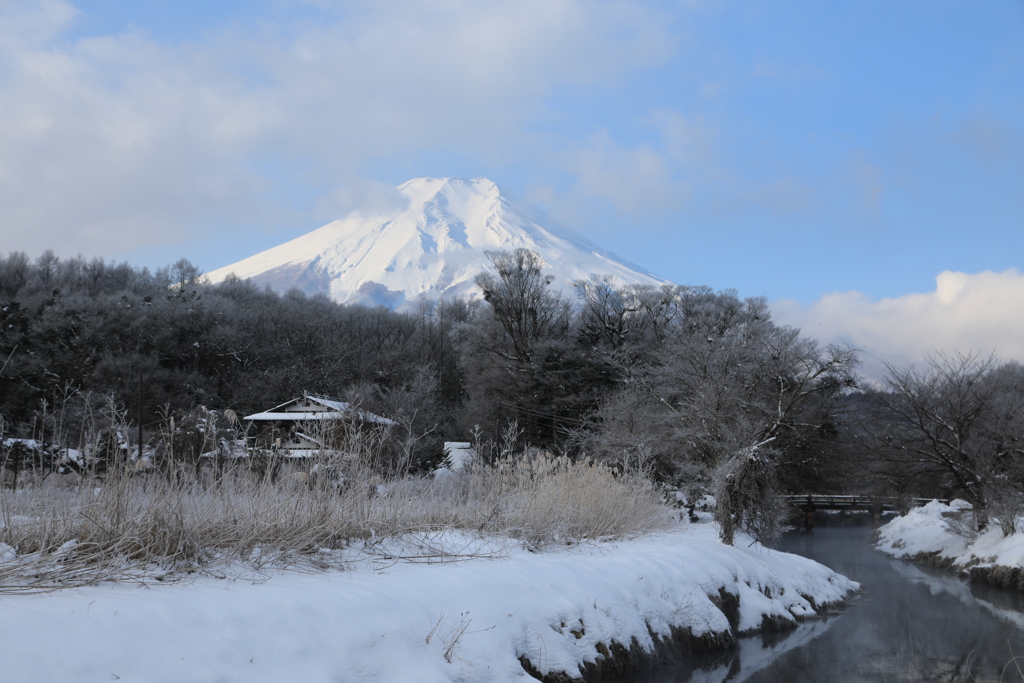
[[786, 149]]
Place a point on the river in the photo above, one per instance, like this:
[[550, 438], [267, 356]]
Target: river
[[909, 623]]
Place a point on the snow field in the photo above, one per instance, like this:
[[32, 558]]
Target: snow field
[[404, 621]]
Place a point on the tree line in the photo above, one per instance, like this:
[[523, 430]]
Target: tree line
[[699, 386]]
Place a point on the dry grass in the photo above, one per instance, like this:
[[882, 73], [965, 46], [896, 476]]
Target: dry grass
[[147, 526]]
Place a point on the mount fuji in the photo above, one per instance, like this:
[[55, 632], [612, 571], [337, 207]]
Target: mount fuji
[[431, 249]]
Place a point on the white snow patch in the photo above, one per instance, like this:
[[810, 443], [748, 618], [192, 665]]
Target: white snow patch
[[7, 553]]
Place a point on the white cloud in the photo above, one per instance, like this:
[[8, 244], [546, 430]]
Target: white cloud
[[966, 312], [646, 178], [635, 179], [990, 140], [867, 178], [118, 141], [689, 141]]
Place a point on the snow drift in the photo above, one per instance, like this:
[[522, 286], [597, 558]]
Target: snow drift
[[431, 249]]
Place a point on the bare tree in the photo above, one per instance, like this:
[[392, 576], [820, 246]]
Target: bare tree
[[958, 418], [184, 273], [523, 305], [608, 312], [518, 357], [731, 396]]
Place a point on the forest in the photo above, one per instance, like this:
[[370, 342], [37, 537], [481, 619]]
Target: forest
[[698, 388]]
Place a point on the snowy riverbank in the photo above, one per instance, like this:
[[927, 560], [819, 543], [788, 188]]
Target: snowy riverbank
[[387, 620], [934, 534]]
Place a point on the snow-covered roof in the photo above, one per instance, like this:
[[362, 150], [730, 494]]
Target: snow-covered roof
[[308, 408], [311, 439], [27, 443]]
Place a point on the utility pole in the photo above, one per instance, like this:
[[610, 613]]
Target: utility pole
[[140, 417]]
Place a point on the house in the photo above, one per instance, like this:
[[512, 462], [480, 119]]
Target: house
[[301, 427]]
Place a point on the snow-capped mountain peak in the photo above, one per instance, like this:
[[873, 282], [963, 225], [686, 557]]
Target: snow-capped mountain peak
[[431, 249]]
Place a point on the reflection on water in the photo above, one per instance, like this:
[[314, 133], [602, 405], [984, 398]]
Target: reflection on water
[[909, 624]]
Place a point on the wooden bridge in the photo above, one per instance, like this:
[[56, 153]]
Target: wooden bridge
[[810, 502]]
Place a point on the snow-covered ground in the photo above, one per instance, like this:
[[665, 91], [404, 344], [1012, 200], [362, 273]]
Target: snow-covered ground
[[936, 529], [390, 620]]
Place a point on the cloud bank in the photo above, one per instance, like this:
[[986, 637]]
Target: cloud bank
[[966, 312], [116, 141]]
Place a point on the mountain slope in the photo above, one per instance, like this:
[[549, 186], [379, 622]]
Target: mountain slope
[[431, 249]]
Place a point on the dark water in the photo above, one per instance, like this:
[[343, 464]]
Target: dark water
[[909, 624]]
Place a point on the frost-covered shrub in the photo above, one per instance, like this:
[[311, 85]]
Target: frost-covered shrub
[[960, 520], [1007, 507], [747, 496]]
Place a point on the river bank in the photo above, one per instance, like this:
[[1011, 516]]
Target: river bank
[[938, 535], [502, 617], [908, 623]]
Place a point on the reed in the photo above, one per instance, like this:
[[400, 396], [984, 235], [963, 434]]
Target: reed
[[148, 525]]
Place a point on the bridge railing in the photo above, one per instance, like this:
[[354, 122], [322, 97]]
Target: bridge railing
[[817, 501]]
